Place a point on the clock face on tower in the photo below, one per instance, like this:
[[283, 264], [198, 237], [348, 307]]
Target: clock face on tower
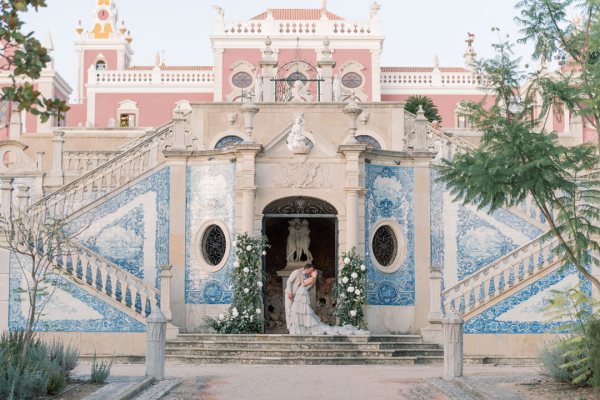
[[103, 15]]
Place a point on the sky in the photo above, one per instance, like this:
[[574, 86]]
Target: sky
[[415, 31]]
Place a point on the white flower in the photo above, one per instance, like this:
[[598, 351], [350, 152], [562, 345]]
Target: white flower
[[259, 284], [362, 267], [350, 289], [235, 312], [236, 264], [258, 310], [246, 290], [246, 270], [264, 253], [354, 275], [221, 317], [345, 279], [347, 260], [248, 248], [353, 313], [357, 292], [343, 296]]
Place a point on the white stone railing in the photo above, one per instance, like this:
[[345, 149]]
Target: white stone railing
[[513, 271], [119, 171], [390, 80], [152, 78], [77, 163], [90, 270], [295, 28]]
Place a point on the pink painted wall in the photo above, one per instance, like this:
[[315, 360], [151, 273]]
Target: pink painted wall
[[232, 56], [155, 108], [558, 123], [446, 104], [342, 56], [77, 115]]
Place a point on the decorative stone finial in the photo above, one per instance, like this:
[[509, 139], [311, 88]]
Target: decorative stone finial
[[352, 110], [249, 110], [122, 28], [436, 62], [220, 11], [129, 38], [375, 7], [268, 41], [79, 28]]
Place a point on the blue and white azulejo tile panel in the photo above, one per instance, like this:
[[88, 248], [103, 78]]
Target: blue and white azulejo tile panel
[[68, 309], [523, 312], [390, 196], [131, 229], [210, 197]]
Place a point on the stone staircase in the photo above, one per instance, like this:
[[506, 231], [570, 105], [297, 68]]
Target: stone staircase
[[302, 350]]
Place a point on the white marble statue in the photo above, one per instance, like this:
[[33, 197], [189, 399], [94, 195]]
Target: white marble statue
[[298, 240], [296, 141], [298, 91]]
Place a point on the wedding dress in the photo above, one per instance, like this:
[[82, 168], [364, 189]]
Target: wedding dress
[[304, 321]]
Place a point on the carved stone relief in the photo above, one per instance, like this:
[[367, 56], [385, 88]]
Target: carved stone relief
[[302, 176]]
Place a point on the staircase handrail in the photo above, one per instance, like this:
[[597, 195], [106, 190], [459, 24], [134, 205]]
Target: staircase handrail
[[132, 143], [460, 143], [126, 155], [504, 273], [81, 255]]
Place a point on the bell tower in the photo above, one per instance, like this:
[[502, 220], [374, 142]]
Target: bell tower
[[107, 46]]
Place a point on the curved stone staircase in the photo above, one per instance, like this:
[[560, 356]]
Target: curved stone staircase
[[92, 272]]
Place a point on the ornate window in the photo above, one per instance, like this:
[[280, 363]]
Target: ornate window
[[242, 80], [100, 65], [228, 141], [352, 80], [214, 245], [385, 245], [388, 246]]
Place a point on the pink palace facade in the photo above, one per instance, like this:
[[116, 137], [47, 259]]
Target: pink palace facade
[[296, 119]]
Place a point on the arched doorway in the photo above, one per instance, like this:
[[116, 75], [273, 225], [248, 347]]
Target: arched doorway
[[321, 219]]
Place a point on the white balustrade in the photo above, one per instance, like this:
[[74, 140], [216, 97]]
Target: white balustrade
[[516, 268], [298, 28], [109, 176], [77, 163], [394, 79], [152, 78]]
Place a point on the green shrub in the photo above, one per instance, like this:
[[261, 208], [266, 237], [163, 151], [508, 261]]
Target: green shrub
[[593, 344], [553, 357], [100, 370], [42, 371]]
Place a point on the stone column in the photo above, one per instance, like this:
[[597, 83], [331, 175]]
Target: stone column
[[181, 114], [419, 142], [435, 295], [218, 68], [453, 345], [6, 190], [353, 191], [326, 63], [55, 177], [246, 192], [16, 127], [165, 290], [268, 63], [156, 344], [22, 197], [376, 68]]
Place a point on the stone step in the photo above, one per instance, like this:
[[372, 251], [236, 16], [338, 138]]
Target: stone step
[[299, 338], [321, 353], [196, 360], [230, 345]]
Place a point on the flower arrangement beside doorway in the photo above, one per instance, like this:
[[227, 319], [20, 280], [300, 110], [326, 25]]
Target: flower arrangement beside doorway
[[245, 313], [350, 290]]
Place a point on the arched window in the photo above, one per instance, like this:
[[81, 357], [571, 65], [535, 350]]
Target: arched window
[[369, 141], [228, 141], [100, 65]]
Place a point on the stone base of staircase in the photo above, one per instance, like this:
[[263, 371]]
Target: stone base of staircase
[[302, 350]]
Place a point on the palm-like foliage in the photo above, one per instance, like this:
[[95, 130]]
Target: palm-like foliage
[[431, 110]]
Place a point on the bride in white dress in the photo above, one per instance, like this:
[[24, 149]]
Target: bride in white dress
[[303, 319]]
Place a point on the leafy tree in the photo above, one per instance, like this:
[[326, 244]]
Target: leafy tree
[[431, 110], [574, 43], [516, 161], [24, 57]]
